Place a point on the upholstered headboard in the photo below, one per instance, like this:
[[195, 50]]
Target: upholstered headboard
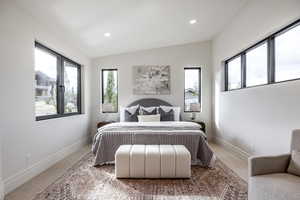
[[149, 102]]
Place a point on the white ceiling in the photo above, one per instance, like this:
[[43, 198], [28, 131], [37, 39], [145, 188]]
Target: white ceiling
[[133, 24]]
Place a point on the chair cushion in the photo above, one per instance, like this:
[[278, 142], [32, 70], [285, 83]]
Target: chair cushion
[[294, 167], [280, 186]]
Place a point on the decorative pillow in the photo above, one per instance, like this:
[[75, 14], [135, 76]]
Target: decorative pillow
[[148, 110], [176, 111], [294, 166], [131, 113], [149, 118], [166, 116]]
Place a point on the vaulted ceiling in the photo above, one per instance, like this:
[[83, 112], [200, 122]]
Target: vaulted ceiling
[[133, 24]]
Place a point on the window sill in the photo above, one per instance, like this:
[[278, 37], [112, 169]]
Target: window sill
[[267, 84], [42, 118]]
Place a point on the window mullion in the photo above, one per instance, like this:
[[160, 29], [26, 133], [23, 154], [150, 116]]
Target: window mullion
[[271, 60], [243, 71], [226, 76], [61, 87], [200, 86], [58, 86], [79, 90]]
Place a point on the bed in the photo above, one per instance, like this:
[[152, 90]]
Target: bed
[[111, 136]]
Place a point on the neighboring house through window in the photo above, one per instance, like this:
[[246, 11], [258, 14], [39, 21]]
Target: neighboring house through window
[[57, 84], [192, 89]]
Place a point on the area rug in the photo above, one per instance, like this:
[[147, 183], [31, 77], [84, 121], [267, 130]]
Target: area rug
[[85, 182]]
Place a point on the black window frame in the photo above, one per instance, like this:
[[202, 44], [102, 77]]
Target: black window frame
[[270, 40], [60, 88], [257, 45], [102, 89], [200, 88], [226, 71]]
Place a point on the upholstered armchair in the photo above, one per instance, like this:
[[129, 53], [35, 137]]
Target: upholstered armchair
[[268, 177]]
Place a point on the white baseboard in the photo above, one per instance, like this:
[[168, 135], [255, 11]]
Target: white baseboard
[[23, 176], [232, 148]]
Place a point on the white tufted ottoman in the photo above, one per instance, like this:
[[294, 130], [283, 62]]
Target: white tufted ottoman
[[152, 161]]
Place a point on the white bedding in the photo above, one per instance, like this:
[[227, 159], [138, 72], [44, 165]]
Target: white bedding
[[158, 124]]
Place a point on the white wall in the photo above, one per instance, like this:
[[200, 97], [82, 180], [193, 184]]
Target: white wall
[[178, 57], [45, 141], [257, 120], [1, 179]]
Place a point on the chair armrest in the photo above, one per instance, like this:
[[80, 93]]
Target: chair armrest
[[259, 165]]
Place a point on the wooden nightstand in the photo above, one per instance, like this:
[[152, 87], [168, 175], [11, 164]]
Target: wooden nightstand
[[100, 124], [202, 124]]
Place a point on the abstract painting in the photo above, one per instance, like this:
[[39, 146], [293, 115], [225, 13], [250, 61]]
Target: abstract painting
[[151, 80]]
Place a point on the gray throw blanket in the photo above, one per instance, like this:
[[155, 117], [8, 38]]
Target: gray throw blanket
[[110, 137]]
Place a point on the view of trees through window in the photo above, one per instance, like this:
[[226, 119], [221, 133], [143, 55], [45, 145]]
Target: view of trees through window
[[109, 90], [71, 87], [57, 84], [192, 89]]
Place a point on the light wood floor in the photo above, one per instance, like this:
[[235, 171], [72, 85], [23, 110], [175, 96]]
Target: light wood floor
[[28, 190]]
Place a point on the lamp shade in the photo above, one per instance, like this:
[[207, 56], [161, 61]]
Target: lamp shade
[[195, 107]]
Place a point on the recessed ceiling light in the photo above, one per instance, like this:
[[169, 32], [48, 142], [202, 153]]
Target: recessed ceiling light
[[107, 34], [193, 21]]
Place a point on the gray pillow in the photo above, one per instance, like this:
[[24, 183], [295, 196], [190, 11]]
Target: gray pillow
[[166, 116], [294, 166], [145, 111], [131, 114]]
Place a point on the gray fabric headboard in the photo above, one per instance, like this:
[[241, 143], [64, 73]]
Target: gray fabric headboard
[[148, 102]]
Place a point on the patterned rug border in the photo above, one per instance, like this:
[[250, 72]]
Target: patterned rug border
[[84, 158], [65, 174]]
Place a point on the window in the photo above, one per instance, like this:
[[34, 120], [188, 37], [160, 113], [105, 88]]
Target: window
[[109, 90], [192, 89], [71, 83], [272, 60], [257, 65], [287, 55], [57, 85], [234, 73]]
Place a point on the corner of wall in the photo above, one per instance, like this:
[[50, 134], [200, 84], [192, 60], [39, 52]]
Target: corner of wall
[[1, 190], [232, 148]]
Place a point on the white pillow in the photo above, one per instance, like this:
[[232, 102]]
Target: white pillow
[[122, 114], [131, 109], [149, 118], [176, 111]]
